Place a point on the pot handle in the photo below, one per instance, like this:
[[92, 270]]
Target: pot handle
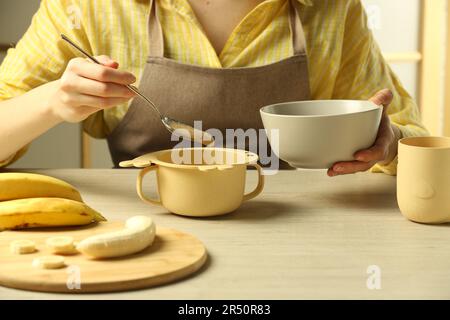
[[259, 188], [139, 180]]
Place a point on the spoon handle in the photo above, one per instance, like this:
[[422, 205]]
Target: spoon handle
[[136, 90]]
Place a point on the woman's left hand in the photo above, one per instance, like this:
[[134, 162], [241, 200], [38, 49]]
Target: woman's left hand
[[384, 149]]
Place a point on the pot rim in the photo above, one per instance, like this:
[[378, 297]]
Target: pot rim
[[154, 158]]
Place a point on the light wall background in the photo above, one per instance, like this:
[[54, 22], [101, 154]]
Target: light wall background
[[396, 26], [395, 23], [60, 147]]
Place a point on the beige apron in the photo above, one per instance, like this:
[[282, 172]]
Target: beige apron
[[220, 98]]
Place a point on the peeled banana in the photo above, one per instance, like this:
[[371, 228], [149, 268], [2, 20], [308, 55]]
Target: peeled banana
[[45, 212], [138, 234], [30, 185]]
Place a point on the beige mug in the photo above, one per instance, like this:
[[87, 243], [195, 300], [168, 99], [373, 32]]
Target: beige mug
[[423, 179], [202, 188]]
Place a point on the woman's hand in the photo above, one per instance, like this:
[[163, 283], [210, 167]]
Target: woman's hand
[[384, 149], [86, 88]]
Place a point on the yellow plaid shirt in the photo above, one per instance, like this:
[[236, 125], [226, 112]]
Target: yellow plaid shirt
[[344, 59]]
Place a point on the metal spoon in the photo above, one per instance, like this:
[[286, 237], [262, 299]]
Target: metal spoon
[[172, 125]]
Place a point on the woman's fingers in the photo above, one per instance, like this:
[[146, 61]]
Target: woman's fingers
[[377, 152], [349, 167], [87, 87], [380, 151], [107, 61], [365, 159], [96, 88], [83, 100], [383, 98], [101, 73]]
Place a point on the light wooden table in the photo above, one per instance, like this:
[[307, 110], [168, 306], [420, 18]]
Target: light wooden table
[[307, 236]]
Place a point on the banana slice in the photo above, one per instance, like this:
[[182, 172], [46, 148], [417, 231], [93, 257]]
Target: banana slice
[[49, 262], [61, 245], [22, 246]]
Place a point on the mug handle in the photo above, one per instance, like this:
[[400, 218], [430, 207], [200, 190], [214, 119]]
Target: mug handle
[[259, 188], [140, 193]]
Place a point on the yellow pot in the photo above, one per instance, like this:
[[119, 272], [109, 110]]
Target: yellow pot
[[198, 182], [423, 179]]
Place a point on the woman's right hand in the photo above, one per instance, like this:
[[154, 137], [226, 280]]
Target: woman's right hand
[[86, 88]]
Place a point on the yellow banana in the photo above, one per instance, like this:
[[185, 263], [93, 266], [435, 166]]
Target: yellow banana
[[30, 185], [45, 212]]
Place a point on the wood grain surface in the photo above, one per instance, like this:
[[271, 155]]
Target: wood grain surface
[[173, 255]]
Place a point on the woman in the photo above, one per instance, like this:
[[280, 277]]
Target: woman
[[291, 50]]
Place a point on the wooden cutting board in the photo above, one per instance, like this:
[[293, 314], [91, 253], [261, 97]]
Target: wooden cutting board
[[173, 255]]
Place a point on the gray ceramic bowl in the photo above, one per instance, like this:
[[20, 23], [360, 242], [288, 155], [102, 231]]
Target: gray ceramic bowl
[[317, 134]]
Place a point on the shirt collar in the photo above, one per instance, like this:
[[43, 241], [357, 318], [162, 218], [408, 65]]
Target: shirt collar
[[304, 2], [182, 7]]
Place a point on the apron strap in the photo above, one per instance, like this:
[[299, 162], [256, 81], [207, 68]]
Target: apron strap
[[156, 38], [155, 33], [298, 35]]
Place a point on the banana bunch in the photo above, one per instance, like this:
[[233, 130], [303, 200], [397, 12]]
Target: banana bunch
[[32, 200]]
